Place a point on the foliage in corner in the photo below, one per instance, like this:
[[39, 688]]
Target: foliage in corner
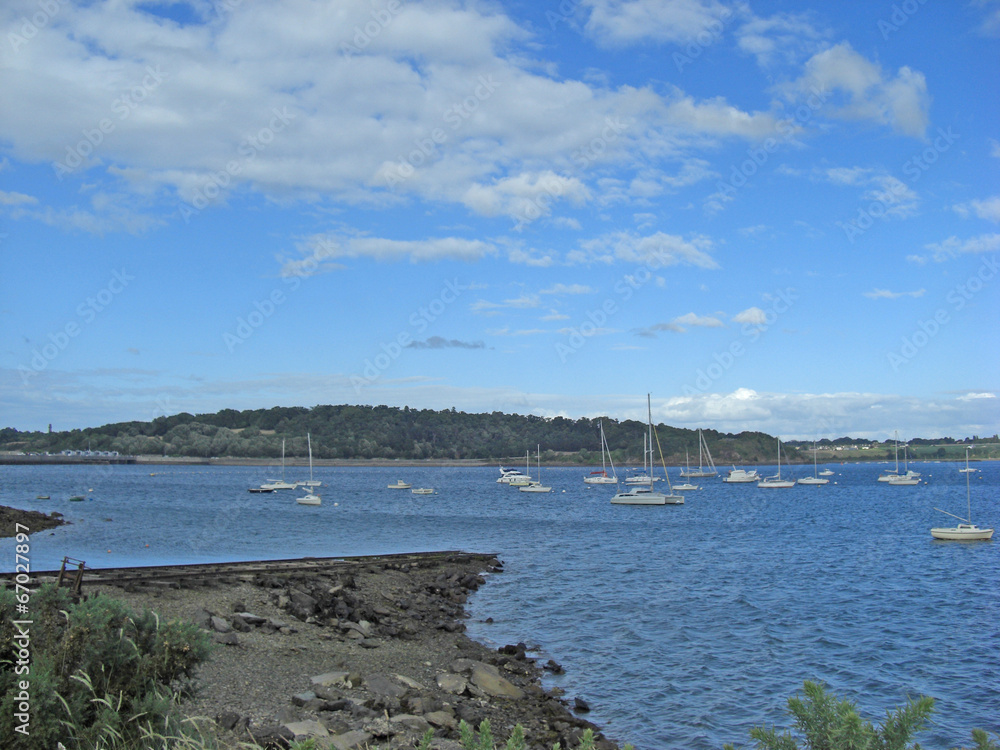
[[101, 676], [823, 722]]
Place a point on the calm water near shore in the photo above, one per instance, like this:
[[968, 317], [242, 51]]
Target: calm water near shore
[[681, 626]]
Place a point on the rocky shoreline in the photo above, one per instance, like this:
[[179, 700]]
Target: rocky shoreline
[[374, 655], [34, 520]]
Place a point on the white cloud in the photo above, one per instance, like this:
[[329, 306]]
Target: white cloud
[[886, 294], [752, 315], [625, 22], [783, 37], [680, 324], [988, 208], [897, 199], [953, 246], [866, 93], [808, 416], [568, 289], [16, 199], [318, 252], [656, 250]]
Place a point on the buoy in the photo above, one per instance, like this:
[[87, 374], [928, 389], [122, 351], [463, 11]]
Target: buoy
[[109, 552]]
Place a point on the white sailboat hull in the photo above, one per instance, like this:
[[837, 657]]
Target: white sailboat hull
[[600, 480], [964, 532], [776, 484], [309, 499], [535, 488], [813, 480]]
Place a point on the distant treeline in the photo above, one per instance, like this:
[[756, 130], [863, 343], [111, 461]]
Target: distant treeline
[[390, 432]]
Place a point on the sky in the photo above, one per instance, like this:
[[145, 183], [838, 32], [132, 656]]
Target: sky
[[769, 216]]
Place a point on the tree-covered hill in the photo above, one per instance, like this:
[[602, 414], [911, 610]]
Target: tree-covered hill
[[390, 432]]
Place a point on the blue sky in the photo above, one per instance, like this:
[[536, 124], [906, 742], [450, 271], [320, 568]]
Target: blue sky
[[771, 216]]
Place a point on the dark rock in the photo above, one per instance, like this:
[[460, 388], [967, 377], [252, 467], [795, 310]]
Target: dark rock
[[580, 705], [273, 736], [553, 667], [226, 639], [230, 720]]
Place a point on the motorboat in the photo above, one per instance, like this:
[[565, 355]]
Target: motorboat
[[741, 476], [399, 485]]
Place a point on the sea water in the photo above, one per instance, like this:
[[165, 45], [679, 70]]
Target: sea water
[[681, 626]]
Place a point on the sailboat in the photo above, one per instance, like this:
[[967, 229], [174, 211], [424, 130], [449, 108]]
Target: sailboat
[[279, 484], [310, 498], [537, 486], [686, 486], [639, 495], [889, 476], [644, 477], [966, 470], [776, 482], [517, 479], [909, 479], [703, 452], [602, 477], [815, 478], [967, 531]]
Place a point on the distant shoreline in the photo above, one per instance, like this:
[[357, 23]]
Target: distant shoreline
[[60, 460]]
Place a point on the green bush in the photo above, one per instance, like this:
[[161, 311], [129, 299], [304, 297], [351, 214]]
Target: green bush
[[823, 722], [101, 676]]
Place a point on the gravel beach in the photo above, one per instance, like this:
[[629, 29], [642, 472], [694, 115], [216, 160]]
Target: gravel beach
[[372, 654]]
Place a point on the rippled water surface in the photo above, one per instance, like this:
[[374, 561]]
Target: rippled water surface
[[681, 626]]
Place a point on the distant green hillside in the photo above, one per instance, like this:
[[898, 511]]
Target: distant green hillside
[[390, 432]]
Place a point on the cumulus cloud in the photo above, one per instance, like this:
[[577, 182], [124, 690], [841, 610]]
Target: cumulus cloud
[[626, 22], [752, 316], [861, 90]]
